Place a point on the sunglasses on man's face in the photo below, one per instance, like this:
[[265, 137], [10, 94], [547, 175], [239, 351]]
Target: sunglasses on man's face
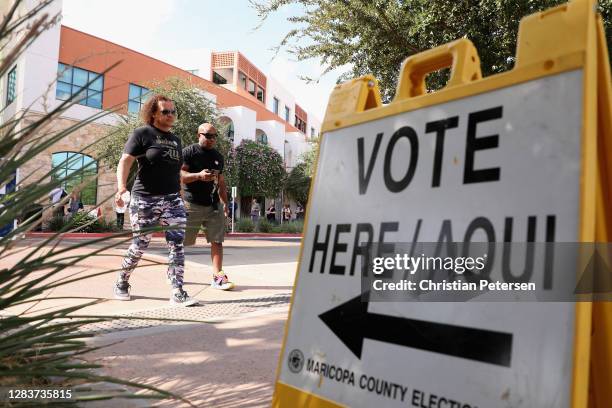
[[209, 135], [168, 112]]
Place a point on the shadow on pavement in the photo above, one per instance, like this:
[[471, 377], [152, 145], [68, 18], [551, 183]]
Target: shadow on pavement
[[230, 364]]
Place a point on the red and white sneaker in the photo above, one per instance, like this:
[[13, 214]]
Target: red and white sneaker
[[221, 281]]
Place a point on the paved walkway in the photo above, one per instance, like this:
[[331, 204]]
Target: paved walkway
[[228, 364], [228, 360]]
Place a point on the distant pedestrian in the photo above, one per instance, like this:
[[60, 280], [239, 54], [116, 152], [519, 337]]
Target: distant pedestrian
[[155, 194], [299, 212], [120, 209], [233, 208], [286, 213], [271, 213], [74, 204], [206, 198], [255, 211], [56, 196], [232, 214]]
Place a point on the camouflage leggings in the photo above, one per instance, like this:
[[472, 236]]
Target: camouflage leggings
[[149, 211]]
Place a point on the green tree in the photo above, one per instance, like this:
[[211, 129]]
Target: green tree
[[298, 181], [193, 109], [230, 172], [257, 169], [309, 158], [375, 36], [297, 185]]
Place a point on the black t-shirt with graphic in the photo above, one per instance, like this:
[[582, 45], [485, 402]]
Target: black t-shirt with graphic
[[159, 156], [198, 159]]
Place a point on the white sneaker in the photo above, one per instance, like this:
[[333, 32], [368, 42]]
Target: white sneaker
[[221, 281], [181, 298], [122, 291]]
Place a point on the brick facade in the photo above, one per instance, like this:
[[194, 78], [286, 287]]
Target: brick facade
[[35, 170]]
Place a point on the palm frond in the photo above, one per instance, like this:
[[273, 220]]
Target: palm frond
[[43, 345]]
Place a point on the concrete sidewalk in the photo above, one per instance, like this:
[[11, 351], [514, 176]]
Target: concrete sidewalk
[[228, 364], [229, 360]]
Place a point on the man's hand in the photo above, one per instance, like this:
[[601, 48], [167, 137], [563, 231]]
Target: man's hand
[[118, 199], [226, 210], [207, 175]]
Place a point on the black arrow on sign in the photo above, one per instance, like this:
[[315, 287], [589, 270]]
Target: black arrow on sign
[[352, 323]]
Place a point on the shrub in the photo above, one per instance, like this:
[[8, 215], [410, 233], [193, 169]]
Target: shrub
[[256, 169], [103, 225], [56, 223], [291, 227], [245, 225], [264, 226], [297, 184], [297, 226], [81, 222]]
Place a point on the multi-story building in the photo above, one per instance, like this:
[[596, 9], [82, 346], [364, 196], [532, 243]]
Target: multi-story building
[[63, 60]]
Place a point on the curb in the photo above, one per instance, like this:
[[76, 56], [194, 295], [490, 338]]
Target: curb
[[259, 235], [93, 235]]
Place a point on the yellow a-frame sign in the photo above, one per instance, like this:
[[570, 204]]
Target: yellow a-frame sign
[[531, 142]]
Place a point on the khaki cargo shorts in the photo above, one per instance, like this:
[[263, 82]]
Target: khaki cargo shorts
[[202, 215]]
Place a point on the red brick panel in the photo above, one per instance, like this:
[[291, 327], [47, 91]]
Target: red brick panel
[[222, 59], [301, 113]]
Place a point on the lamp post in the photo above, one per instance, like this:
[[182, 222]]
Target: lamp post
[[283, 190]]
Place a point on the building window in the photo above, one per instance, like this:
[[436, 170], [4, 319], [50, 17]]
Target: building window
[[67, 163], [218, 79], [230, 132], [275, 102], [262, 138], [300, 124], [260, 93], [287, 111], [11, 85], [136, 98], [242, 79], [87, 85], [251, 87]]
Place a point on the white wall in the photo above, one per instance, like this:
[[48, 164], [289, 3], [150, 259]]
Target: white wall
[[211, 97], [275, 131], [82, 112], [286, 98], [246, 125], [37, 75], [314, 122], [39, 70], [297, 146], [227, 73], [36, 67], [276, 90], [244, 122]]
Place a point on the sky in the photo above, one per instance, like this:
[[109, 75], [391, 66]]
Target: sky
[[181, 31]]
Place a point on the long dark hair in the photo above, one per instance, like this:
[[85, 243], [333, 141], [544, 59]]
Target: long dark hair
[[151, 106]]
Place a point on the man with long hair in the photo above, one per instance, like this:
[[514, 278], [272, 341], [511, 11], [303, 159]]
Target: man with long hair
[[156, 196]]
